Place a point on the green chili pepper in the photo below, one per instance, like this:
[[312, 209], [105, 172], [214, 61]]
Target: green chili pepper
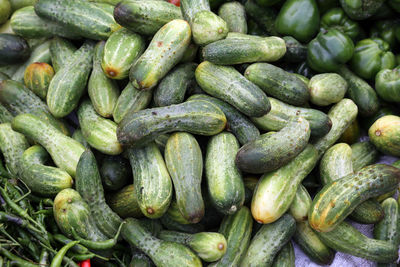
[[57, 260], [18, 261]]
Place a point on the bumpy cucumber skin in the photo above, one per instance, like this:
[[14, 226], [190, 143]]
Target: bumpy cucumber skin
[[339, 198], [278, 83], [364, 154], [207, 27], [103, 92], [345, 238], [240, 48], [162, 253], [190, 7], [196, 117], [173, 87], [388, 228], [170, 224], [163, 53], [224, 180], [295, 51], [120, 51], [69, 83], [145, 17], [327, 88], [268, 241], [300, 204], [336, 163], [152, 181], [229, 85], [276, 190], [280, 113], [272, 151], [37, 77], [184, 162], [5, 115], [88, 184], [235, 16], [175, 214], [41, 179], [384, 134], [140, 259], [368, 212], [237, 123], [124, 202], [78, 136], [61, 51], [285, 257], [64, 150]]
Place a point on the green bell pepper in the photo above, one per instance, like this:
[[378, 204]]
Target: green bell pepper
[[266, 3], [329, 50], [387, 85], [325, 5], [298, 18], [337, 19], [371, 56], [361, 9], [386, 30], [395, 4]]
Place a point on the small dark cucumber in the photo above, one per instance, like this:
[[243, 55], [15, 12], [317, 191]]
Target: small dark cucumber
[[285, 257], [271, 151], [228, 84], [115, 172], [124, 202], [13, 49]]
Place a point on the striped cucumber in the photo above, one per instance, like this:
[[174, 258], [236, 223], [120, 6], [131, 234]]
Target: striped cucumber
[[285, 257], [364, 154], [300, 205], [61, 51], [228, 84], [78, 136], [124, 202], [5, 115], [234, 15], [37, 78], [191, 7]]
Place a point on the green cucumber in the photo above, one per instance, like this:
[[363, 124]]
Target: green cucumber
[[280, 113], [285, 257], [78, 136], [88, 184], [152, 182], [191, 7], [272, 151], [295, 51], [162, 253], [339, 198], [345, 238], [190, 53], [196, 117], [9, 70], [37, 78], [225, 184], [5, 115], [64, 150], [131, 100], [95, 24], [384, 134], [161, 141], [5, 11], [103, 92], [208, 246], [163, 53], [175, 214], [265, 17], [364, 154], [229, 85], [14, 49], [120, 51], [61, 51], [184, 162], [237, 123], [278, 83], [17, 4], [145, 17], [173, 87], [115, 172], [169, 224], [268, 241], [234, 15], [12, 146], [300, 205], [69, 83], [124, 202], [139, 259], [240, 48], [368, 212], [27, 24]]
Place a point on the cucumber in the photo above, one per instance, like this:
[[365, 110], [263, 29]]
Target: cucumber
[[9, 70], [384, 134], [229, 85], [37, 78], [140, 259], [64, 150], [19, 100], [276, 190], [69, 83], [272, 151], [120, 51], [80, 17], [14, 49], [196, 117], [300, 205], [184, 162], [41, 179], [88, 184], [265, 17], [278, 83], [72, 212], [327, 89], [190, 53], [17, 4], [191, 7], [208, 246], [295, 51], [352, 133], [342, 115], [124, 202], [237, 230], [225, 184], [103, 92], [145, 17], [61, 51], [345, 238], [361, 93], [388, 228], [163, 53], [268, 241], [173, 87], [115, 172], [130, 101], [12, 146], [6, 27], [159, 251], [5, 11], [161, 141], [339, 198], [237, 123], [280, 113], [152, 182], [27, 24], [368, 212], [170, 224], [234, 15], [175, 214], [5, 115], [240, 48], [78, 136], [285, 257]]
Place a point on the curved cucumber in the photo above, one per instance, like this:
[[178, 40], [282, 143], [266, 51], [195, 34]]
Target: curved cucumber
[[61, 51], [235, 16], [124, 202]]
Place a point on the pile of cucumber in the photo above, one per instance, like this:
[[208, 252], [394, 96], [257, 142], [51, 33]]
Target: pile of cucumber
[[198, 132]]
